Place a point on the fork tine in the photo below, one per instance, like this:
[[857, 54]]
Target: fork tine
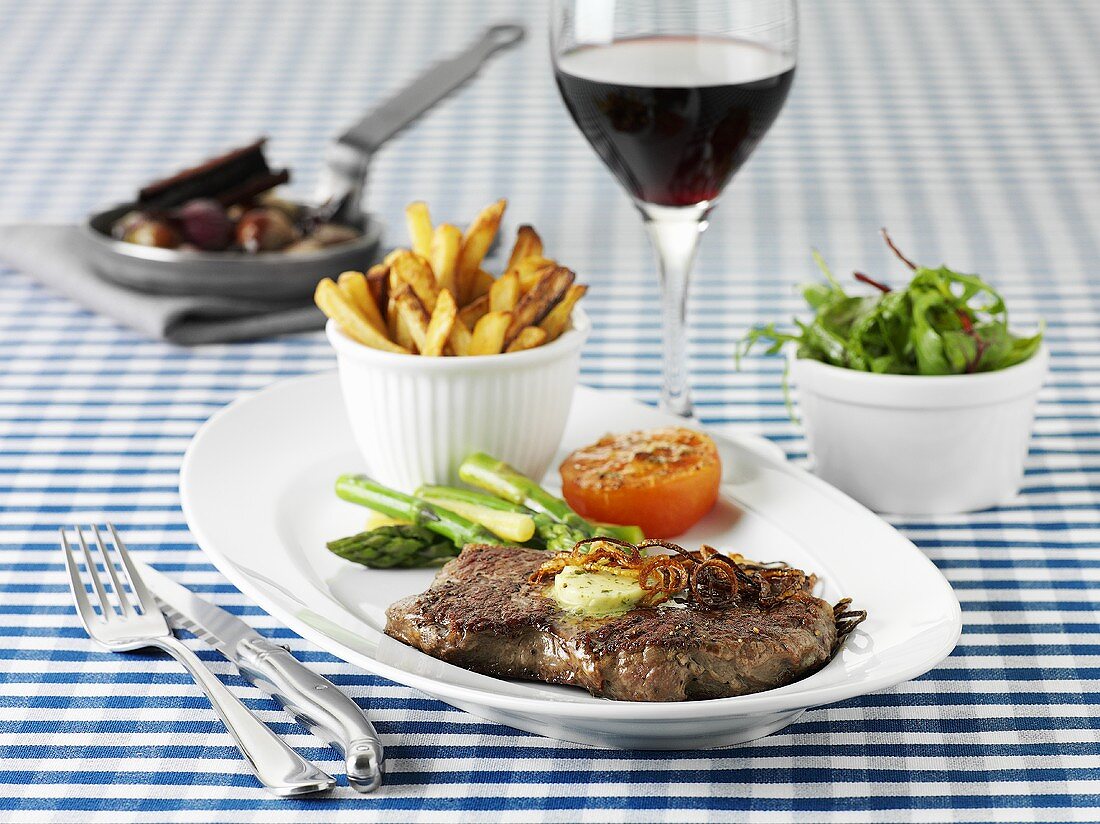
[[104, 603], [120, 593], [76, 583], [145, 598]]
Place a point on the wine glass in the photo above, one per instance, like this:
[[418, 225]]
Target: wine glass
[[674, 95]]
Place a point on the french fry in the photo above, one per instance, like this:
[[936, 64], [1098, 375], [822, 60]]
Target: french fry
[[395, 324], [528, 244], [335, 305], [536, 304], [414, 315], [393, 283], [355, 289], [482, 283], [461, 337], [475, 243], [488, 338], [446, 244], [378, 280], [419, 221], [528, 338], [417, 273], [473, 311], [530, 270], [409, 302], [404, 335], [504, 293], [439, 327], [558, 318]]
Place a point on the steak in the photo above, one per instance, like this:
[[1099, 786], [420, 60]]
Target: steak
[[481, 613]]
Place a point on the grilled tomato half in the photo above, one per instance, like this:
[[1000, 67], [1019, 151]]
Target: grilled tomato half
[[663, 480]]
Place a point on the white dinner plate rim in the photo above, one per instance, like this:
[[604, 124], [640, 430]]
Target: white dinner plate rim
[[766, 701]]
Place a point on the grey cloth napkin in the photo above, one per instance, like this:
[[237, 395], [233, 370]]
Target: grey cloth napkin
[[51, 255]]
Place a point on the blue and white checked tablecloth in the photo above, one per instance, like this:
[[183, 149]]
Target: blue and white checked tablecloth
[[971, 128]]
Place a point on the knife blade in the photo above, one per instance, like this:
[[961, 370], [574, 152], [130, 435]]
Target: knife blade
[[314, 701]]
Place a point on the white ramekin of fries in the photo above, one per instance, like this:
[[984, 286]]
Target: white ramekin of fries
[[438, 358]]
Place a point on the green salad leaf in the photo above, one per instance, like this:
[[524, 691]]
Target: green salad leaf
[[942, 323]]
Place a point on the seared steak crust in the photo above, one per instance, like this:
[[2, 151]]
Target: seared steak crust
[[481, 613]]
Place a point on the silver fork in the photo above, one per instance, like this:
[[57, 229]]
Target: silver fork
[[122, 625]]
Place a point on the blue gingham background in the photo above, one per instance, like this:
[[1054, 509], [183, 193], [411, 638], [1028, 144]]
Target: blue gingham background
[[971, 128]]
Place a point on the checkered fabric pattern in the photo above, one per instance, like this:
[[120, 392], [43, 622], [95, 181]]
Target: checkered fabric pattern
[[971, 128]]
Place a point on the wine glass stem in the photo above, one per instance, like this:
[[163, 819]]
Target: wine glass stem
[[675, 234]]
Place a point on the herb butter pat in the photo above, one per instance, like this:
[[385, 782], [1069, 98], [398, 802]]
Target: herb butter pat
[[596, 594]]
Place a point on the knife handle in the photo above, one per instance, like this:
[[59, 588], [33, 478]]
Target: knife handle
[[320, 706], [279, 768], [397, 112]]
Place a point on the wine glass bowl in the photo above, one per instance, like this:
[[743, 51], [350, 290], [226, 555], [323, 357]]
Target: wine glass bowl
[[674, 95]]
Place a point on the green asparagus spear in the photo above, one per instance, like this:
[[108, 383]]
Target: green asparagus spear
[[553, 535], [470, 496], [395, 547], [359, 489], [630, 534], [497, 477], [516, 527]]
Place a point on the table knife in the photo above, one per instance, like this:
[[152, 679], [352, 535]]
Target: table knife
[[314, 701], [347, 159]]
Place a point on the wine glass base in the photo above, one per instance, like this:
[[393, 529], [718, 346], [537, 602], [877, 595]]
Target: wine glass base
[[681, 407]]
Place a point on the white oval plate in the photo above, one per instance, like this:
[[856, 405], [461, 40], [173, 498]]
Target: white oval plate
[[256, 487]]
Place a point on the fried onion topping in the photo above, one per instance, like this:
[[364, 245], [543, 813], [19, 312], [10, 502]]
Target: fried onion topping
[[705, 577]]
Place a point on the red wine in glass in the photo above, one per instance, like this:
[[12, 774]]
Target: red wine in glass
[[674, 116]]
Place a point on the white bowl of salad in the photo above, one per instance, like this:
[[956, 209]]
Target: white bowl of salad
[[916, 400]]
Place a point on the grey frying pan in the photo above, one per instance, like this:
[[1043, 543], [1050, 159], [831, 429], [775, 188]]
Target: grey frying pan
[[276, 276]]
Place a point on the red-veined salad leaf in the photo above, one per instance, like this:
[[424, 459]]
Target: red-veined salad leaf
[[942, 323]]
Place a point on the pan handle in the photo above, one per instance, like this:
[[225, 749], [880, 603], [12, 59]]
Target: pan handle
[[387, 119]]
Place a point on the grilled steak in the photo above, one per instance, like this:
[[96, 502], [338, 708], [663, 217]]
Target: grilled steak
[[482, 614]]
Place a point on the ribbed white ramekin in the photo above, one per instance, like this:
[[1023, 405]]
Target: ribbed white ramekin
[[918, 444], [416, 418]]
